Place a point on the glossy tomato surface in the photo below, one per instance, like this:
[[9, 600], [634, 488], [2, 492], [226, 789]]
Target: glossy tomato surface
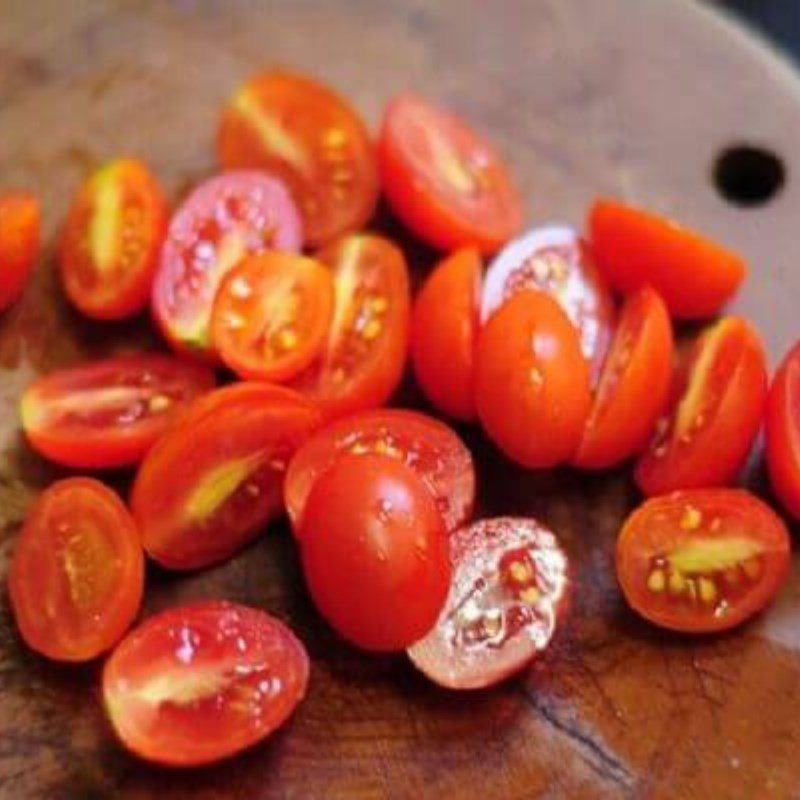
[[20, 233], [200, 682]]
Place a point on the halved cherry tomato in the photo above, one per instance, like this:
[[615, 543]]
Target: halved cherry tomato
[[214, 480], [375, 552], [702, 560], [555, 260], [363, 359], [444, 180], [20, 230], [635, 248], [444, 330], [198, 683], [77, 574], [532, 381], [428, 446], [112, 239], [224, 219], [272, 314], [707, 436], [508, 592], [109, 413], [306, 134], [634, 384]]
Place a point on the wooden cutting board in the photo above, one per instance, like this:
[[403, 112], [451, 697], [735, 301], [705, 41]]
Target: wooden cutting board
[[629, 97]]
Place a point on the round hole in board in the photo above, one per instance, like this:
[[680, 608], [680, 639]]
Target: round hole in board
[[747, 175]]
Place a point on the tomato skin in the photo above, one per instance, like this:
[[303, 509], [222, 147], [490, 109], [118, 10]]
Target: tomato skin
[[20, 233], [634, 248], [634, 385], [419, 147], [654, 535], [533, 401], [375, 552], [444, 330], [173, 687], [77, 574]]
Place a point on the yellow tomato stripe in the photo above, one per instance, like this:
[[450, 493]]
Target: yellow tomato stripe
[[219, 485], [700, 556], [105, 222]]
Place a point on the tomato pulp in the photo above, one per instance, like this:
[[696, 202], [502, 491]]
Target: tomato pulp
[[20, 232]]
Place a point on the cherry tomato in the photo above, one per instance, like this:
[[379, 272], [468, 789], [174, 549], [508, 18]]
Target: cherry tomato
[[375, 552], [224, 219], [635, 248], [426, 445], [444, 329], [112, 239], [109, 413], [363, 359], [77, 574], [272, 314], [444, 180], [532, 381], [214, 480], [634, 385], [198, 683], [20, 231], [705, 439], [508, 592], [702, 560], [555, 260], [311, 138]]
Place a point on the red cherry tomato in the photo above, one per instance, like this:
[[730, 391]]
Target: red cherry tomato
[[224, 219], [508, 592], [77, 574], [635, 248], [311, 138], [375, 552], [272, 314], [531, 381], [20, 225], [114, 231], [702, 560], [707, 436], [109, 413], [363, 359], [214, 480], [444, 329], [444, 180], [198, 683], [634, 384], [428, 446]]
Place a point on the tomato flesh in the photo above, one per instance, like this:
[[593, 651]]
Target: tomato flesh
[[20, 233]]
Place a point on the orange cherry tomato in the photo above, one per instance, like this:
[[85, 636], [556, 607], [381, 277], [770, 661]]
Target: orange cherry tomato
[[20, 231], [444, 330], [707, 435], [634, 384], [702, 560], [310, 137], [77, 574], [532, 381], [635, 248], [444, 180]]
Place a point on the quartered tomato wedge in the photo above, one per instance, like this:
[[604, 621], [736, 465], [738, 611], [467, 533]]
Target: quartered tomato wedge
[[426, 445], [224, 219], [508, 592], [555, 260], [272, 314], [444, 180], [703, 560], [214, 480], [198, 683], [109, 413], [706, 437], [444, 331], [634, 385], [112, 239], [311, 138], [363, 359], [77, 574], [20, 231]]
